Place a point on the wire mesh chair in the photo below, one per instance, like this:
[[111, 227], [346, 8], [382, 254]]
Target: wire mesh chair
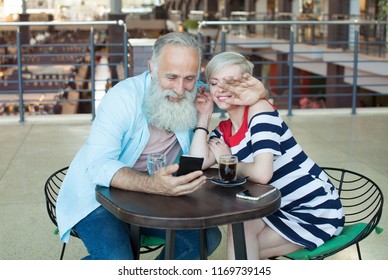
[[51, 191], [363, 202]]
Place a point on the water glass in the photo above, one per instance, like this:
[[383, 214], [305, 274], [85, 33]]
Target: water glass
[[155, 162]]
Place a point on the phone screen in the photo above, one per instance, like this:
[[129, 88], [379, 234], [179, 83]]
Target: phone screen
[[189, 164]]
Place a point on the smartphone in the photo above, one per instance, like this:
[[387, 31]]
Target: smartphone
[[189, 164], [256, 193]]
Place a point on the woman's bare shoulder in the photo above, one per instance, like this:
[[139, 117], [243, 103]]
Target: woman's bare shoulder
[[260, 107]]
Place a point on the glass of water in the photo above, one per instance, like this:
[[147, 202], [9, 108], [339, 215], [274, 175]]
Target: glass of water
[[155, 162]]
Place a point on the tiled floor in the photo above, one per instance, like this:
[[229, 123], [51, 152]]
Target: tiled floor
[[30, 152]]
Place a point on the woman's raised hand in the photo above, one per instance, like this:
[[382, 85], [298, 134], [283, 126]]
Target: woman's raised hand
[[204, 103], [246, 89]]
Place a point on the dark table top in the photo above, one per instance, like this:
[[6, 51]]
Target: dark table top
[[212, 205]]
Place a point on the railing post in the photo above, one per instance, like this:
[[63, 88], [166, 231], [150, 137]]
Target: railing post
[[223, 48], [355, 68], [200, 40], [223, 39], [92, 72], [290, 69], [20, 75], [199, 37], [125, 48]]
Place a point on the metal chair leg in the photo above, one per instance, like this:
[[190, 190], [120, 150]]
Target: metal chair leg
[[63, 251], [358, 251]]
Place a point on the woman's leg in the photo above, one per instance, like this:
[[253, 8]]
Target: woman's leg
[[262, 242], [105, 236], [271, 244], [252, 230]]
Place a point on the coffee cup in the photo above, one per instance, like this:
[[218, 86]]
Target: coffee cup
[[227, 168]]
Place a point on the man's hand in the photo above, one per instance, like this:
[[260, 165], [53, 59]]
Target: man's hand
[[164, 183], [247, 90]]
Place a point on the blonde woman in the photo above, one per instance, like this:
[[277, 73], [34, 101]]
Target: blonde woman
[[310, 211]]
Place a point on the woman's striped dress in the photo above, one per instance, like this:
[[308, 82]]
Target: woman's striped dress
[[310, 211]]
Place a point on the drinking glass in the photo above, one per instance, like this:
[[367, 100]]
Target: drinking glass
[[227, 168], [155, 162]]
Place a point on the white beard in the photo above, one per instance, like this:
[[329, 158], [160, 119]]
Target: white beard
[[167, 115]]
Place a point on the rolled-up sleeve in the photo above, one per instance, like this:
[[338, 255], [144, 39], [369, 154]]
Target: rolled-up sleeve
[[117, 137], [113, 131]]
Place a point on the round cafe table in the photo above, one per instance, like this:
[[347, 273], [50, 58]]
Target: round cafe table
[[212, 205]]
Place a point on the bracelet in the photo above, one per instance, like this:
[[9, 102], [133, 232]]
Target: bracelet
[[199, 127]]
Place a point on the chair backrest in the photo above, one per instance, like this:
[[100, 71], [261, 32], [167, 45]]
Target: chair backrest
[[51, 191], [361, 198]]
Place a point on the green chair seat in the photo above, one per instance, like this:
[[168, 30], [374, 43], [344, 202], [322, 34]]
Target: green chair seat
[[151, 241], [347, 235]]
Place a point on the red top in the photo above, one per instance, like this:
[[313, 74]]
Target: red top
[[226, 130]]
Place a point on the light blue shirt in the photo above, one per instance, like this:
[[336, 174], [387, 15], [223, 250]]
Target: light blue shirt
[[117, 138]]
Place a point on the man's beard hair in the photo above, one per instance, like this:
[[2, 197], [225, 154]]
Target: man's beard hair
[[165, 114]]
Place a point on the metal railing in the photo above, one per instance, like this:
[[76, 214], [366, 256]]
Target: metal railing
[[310, 64], [306, 64], [58, 58]]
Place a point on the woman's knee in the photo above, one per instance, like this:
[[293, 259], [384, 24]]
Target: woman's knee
[[254, 226]]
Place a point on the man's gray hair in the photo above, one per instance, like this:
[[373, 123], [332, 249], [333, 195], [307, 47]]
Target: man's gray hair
[[182, 39]]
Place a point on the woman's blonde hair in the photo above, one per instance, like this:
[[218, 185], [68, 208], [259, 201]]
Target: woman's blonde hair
[[226, 59]]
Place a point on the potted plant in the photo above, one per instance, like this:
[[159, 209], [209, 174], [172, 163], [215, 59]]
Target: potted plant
[[191, 25], [383, 9], [383, 14]]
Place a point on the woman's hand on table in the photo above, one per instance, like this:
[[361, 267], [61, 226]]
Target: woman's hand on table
[[218, 148]]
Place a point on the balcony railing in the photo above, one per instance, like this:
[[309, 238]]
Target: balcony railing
[[310, 64], [54, 71], [306, 64]]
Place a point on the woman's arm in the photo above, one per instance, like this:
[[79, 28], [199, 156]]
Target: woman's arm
[[200, 146], [261, 170]]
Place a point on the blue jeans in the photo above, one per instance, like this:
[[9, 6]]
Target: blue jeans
[[107, 238]]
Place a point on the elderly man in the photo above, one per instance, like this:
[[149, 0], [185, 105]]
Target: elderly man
[[149, 113]]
